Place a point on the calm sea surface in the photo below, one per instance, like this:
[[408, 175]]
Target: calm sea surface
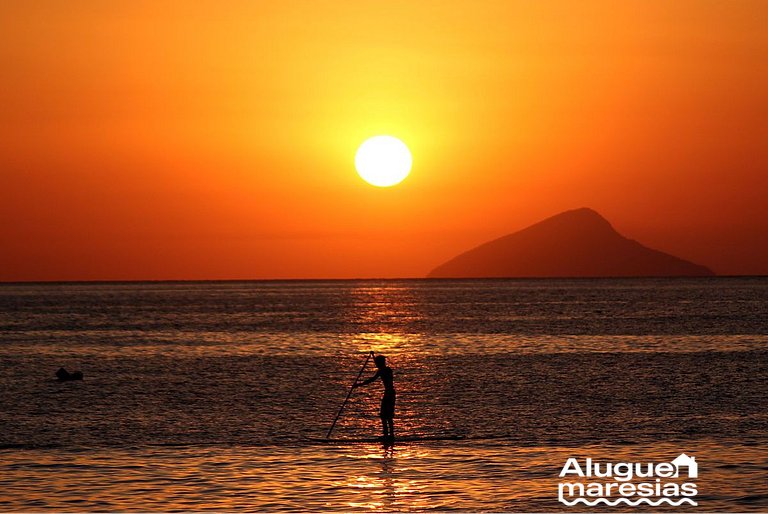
[[205, 395]]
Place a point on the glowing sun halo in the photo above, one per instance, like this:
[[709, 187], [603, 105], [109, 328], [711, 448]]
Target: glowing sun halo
[[383, 161]]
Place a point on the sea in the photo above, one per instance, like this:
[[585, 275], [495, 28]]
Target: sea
[[217, 395]]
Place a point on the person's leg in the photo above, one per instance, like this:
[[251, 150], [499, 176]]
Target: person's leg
[[391, 418], [385, 428]]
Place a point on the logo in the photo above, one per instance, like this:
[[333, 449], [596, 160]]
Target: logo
[[590, 482]]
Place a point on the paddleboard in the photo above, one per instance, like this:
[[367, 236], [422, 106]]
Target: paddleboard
[[398, 439]]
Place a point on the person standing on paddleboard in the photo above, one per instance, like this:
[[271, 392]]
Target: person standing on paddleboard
[[387, 411]]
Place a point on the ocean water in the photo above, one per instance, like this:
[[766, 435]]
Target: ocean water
[[207, 395]]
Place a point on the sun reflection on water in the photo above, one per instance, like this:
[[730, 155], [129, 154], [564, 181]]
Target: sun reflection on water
[[389, 482], [384, 316]]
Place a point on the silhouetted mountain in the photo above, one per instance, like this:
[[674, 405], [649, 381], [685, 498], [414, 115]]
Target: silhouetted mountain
[[577, 243]]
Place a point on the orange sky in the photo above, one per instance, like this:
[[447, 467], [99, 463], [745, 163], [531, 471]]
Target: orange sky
[[215, 140]]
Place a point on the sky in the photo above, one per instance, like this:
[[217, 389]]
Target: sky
[[216, 139]]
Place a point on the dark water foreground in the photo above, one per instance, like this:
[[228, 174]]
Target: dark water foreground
[[201, 396]]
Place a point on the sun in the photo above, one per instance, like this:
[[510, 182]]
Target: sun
[[383, 161]]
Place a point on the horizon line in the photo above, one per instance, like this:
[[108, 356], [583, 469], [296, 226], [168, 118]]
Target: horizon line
[[359, 279]]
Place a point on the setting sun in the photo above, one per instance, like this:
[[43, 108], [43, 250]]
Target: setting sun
[[383, 161]]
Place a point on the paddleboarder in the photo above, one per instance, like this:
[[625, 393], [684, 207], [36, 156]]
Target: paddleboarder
[[387, 412]]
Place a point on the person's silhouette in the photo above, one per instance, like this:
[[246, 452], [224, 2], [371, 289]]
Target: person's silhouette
[[387, 412]]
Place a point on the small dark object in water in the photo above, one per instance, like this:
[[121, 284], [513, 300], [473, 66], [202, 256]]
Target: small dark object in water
[[63, 375]]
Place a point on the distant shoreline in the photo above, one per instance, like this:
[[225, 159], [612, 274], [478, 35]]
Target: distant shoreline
[[367, 279]]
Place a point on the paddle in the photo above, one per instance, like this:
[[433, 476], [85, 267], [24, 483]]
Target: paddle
[[351, 388]]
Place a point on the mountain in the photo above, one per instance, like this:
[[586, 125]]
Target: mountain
[[577, 243]]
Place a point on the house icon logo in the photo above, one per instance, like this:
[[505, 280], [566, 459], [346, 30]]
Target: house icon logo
[[684, 460]]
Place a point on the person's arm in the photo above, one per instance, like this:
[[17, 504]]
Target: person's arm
[[368, 381]]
